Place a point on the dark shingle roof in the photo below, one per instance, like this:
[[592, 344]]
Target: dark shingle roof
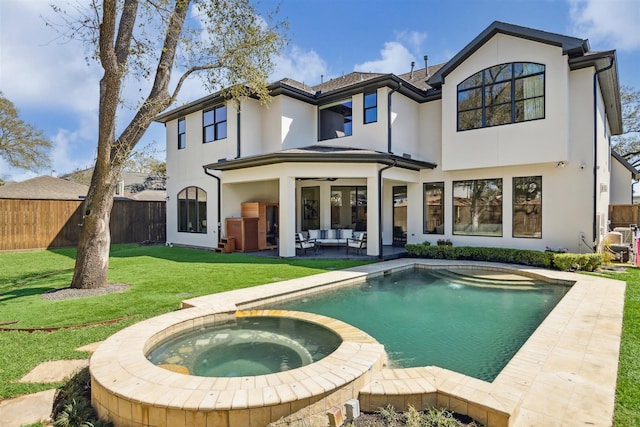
[[44, 188], [346, 81], [419, 77]]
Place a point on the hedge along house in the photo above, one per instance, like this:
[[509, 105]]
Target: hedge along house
[[505, 145]]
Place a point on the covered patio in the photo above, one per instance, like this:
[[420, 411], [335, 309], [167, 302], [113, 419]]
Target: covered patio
[[281, 177]]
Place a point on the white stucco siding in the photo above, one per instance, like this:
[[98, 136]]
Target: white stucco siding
[[536, 141], [174, 186], [371, 135], [270, 125], [298, 124], [603, 169], [252, 135], [430, 132], [405, 125], [563, 208], [621, 192]]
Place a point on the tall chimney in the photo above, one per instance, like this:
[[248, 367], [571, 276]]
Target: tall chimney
[[426, 65], [413, 64]]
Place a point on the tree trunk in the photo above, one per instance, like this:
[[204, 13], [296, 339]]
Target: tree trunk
[[92, 261]]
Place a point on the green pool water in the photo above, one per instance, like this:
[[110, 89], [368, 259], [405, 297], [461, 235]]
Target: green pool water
[[468, 323]]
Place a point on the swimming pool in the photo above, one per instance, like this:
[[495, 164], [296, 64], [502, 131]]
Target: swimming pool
[[567, 366], [468, 321]]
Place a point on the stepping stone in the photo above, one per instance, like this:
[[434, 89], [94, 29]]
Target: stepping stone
[[28, 409], [90, 347], [54, 371]]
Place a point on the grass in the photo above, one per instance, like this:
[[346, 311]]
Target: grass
[[160, 277], [627, 410]]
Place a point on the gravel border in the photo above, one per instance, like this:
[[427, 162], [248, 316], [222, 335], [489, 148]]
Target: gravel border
[[70, 293]]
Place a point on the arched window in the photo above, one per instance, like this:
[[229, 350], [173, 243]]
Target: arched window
[[192, 210], [502, 94]]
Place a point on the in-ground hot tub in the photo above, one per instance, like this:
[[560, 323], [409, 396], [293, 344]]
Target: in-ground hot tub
[[336, 361], [247, 346]]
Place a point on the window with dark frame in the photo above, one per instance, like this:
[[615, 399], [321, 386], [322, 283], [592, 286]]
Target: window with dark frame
[[349, 207], [214, 124], [192, 210], [370, 107], [527, 207], [502, 94], [310, 208], [335, 120], [477, 207], [433, 208], [182, 134]]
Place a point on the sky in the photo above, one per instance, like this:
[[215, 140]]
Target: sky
[[56, 90]]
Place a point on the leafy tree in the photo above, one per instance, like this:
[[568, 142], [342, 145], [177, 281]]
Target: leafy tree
[[628, 144], [224, 42], [21, 144]]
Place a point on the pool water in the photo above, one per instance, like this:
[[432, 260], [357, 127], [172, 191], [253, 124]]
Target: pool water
[[247, 347], [469, 323]]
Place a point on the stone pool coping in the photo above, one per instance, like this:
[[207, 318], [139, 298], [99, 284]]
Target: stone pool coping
[[564, 375]]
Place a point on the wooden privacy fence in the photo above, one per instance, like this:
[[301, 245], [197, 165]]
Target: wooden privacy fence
[[35, 224], [624, 215]]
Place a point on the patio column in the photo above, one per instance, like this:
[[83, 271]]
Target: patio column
[[373, 219], [287, 219]]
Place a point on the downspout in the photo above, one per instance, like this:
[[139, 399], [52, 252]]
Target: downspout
[[395, 162], [389, 117], [206, 171], [595, 149], [238, 145]]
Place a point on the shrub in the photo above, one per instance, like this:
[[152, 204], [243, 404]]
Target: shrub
[[547, 259], [72, 404], [574, 262]]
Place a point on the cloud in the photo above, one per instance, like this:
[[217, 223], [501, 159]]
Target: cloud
[[414, 39], [609, 24], [394, 58], [303, 66]]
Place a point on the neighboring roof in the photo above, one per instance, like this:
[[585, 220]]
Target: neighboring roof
[[320, 153], [149, 196], [624, 162], [44, 188], [571, 46]]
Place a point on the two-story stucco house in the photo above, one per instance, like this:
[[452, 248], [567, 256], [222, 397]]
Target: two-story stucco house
[[505, 145]]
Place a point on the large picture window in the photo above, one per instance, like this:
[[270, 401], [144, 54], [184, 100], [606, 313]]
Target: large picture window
[[506, 93], [527, 207], [433, 208], [477, 207], [214, 124], [349, 208], [182, 134], [335, 120], [192, 210]]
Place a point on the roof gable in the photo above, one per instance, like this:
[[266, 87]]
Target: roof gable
[[571, 46]]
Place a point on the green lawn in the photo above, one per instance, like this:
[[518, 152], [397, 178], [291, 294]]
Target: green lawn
[[160, 278]]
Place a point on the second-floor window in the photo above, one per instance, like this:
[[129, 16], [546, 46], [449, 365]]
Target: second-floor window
[[214, 124], [502, 94], [182, 134], [335, 120], [370, 107]]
